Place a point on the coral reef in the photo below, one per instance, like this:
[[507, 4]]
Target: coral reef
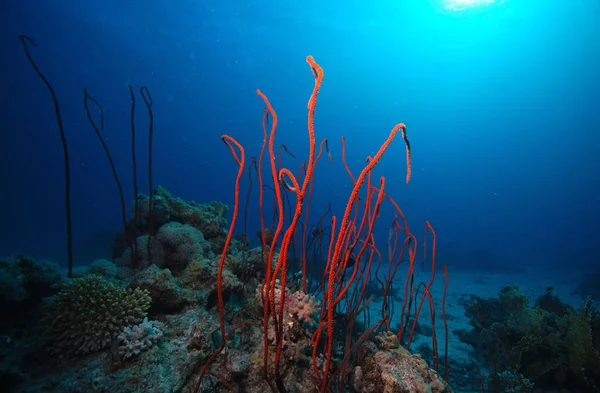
[[103, 268], [208, 219], [105, 314], [549, 345], [25, 283], [25, 280]]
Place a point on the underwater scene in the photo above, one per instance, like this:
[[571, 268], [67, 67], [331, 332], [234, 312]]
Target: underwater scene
[[265, 196]]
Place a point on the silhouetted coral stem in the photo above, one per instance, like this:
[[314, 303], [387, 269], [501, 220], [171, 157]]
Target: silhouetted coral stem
[[136, 207], [87, 98], [145, 93], [24, 40]]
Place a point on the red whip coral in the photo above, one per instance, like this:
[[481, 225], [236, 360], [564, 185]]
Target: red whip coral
[[351, 248]]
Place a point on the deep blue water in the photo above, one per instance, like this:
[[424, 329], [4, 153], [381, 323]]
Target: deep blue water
[[502, 104]]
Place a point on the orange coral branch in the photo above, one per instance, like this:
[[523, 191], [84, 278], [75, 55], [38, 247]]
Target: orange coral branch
[[338, 247], [229, 141]]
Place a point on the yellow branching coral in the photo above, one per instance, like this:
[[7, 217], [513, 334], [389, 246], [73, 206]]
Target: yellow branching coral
[[89, 313]]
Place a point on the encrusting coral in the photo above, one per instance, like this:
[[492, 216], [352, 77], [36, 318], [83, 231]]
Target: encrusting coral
[[89, 313]]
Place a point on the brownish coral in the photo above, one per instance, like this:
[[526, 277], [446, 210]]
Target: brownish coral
[[551, 344], [395, 370]]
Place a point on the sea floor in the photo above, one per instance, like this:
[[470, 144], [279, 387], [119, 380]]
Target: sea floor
[[462, 283]]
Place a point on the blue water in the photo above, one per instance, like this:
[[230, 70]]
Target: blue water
[[501, 102]]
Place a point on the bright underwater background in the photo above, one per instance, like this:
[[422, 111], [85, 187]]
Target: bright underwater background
[[501, 99]]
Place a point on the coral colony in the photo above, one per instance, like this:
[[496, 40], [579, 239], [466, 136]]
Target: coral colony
[[186, 306]]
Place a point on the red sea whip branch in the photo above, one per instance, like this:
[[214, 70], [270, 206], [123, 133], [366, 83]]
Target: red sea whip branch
[[339, 243], [240, 161]]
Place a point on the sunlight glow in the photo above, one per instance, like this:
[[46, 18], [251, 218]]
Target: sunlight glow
[[461, 5]]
